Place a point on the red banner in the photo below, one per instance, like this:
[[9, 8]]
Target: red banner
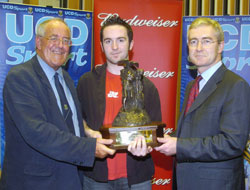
[[157, 26]]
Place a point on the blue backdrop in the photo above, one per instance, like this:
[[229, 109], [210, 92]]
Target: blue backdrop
[[17, 37], [236, 53]]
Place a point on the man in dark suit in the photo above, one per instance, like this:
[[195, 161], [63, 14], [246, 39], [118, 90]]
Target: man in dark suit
[[211, 135], [44, 151]]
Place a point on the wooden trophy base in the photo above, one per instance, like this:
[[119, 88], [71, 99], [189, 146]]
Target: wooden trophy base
[[123, 136]]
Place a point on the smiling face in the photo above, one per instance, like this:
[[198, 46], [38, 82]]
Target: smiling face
[[115, 44], [207, 51], [54, 52]]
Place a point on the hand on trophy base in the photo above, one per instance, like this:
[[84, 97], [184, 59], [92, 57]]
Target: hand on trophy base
[[123, 136], [168, 145], [138, 147], [101, 148]]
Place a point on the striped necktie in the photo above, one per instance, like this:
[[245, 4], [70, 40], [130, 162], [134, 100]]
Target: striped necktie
[[193, 93], [66, 111]]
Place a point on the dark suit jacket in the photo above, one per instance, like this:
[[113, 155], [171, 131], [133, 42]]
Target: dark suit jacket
[[213, 135], [41, 153]]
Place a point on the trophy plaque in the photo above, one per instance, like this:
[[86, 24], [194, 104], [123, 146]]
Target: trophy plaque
[[122, 136], [132, 119]]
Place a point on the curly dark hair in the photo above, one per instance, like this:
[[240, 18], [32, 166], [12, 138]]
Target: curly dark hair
[[116, 20]]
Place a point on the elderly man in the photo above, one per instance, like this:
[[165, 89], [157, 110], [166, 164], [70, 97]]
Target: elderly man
[[45, 140]]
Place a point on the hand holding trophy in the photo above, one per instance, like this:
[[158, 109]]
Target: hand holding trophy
[[132, 119]]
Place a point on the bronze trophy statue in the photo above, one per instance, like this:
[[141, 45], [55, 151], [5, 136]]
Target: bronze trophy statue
[[132, 112], [132, 119]]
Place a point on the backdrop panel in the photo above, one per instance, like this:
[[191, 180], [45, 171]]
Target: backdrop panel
[[156, 25], [17, 37]]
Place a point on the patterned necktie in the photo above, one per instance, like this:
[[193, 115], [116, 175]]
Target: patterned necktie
[[67, 113], [193, 93]]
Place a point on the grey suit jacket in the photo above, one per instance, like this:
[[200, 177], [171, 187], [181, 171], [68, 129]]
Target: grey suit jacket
[[40, 153], [213, 134]]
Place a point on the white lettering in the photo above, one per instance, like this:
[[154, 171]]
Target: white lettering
[[161, 181], [113, 94], [135, 21], [158, 74]]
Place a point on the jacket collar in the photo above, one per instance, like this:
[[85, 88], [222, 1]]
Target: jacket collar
[[208, 89]]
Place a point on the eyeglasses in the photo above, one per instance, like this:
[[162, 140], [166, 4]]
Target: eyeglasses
[[56, 40], [204, 42]]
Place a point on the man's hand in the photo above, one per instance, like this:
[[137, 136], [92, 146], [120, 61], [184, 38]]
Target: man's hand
[[169, 145], [101, 149], [138, 147], [90, 132], [93, 134]]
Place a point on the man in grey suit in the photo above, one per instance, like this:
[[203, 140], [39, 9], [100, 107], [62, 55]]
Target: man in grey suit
[[42, 152], [211, 135]]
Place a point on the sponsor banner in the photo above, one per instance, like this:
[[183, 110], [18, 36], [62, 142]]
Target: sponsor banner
[[157, 26], [17, 36], [236, 53]]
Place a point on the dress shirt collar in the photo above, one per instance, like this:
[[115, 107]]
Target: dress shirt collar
[[49, 71], [206, 75]]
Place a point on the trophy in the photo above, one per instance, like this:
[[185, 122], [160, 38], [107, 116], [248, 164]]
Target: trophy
[[132, 119]]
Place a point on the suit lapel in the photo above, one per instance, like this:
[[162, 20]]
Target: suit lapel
[[187, 92], [182, 116], [204, 94], [45, 84], [207, 90], [40, 73]]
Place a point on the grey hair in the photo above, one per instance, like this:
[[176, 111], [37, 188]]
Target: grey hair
[[42, 27], [204, 21]]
